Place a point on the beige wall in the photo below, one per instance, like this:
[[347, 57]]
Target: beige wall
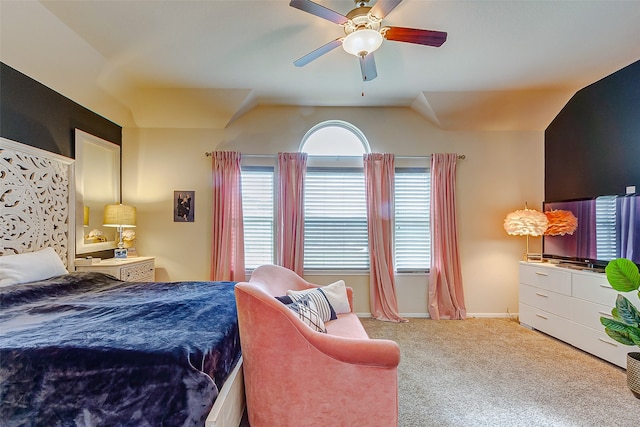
[[501, 172]]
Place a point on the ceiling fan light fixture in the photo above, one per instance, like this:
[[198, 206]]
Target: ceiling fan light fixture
[[362, 42]]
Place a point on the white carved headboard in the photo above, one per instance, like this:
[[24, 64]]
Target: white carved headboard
[[36, 201]]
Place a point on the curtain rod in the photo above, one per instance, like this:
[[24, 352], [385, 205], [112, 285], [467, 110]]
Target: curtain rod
[[269, 156]]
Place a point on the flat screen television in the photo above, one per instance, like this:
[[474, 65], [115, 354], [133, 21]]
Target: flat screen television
[[608, 228]]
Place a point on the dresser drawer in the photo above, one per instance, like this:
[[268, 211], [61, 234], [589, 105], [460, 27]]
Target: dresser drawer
[[141, 272], [546, 277], [546, 322], [593, 288], [598, 290], [546, 300], [599, 344], [588, 313]]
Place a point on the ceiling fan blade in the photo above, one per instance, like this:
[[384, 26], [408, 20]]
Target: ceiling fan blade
[[319, 10], [368, 67], [413, 35], [318, 52], [383, 7]]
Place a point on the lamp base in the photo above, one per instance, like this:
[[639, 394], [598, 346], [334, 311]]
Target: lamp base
[[533, 257], [120, 253]]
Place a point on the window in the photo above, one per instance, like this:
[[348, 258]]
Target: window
[[257, 209], [606, 227], [336, 236], [335, 225], [412, 232], [335, 220], [334, 138]]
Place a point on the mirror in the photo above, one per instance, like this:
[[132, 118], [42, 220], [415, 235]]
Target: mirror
[[97, 170]]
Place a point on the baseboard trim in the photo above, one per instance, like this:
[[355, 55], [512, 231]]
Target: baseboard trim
[[413, 315], [469, 315], [494, 315]]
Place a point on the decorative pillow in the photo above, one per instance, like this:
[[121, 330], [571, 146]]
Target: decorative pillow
[[30, 266], [320, 300], [285, 299], [336, 294], [308, 313]]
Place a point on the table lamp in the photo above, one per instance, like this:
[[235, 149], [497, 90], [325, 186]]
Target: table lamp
[[527, 222], [120, 216]]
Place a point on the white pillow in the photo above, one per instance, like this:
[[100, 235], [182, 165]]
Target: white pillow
[[336, 294], [30, 266]]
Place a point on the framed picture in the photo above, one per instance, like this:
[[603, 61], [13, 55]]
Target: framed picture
[[184, 206]]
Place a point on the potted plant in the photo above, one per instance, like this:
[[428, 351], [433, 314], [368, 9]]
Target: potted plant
[[623, 276]]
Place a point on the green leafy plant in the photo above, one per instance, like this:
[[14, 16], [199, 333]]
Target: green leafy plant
[[623, 276]]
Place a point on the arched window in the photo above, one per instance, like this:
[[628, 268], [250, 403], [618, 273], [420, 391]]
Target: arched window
[[334, 138], [335, 230]]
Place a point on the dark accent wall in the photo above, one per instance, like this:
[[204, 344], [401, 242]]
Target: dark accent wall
[[35, 115], [592, 147]]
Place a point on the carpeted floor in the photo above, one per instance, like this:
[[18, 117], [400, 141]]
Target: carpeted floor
[[494, 372]]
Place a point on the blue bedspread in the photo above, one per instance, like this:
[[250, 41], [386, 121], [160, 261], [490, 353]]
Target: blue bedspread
[[88, 349]]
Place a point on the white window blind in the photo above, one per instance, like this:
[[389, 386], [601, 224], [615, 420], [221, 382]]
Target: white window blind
[[258, 217], [335, 226], [336, 221], [606, 227], [412, 232]]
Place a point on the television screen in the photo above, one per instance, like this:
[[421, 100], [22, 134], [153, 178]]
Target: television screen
[[608, 228]]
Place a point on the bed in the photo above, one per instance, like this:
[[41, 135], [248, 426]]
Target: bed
[[84, 348]]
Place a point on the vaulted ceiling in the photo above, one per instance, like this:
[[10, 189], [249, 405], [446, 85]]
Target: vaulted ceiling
[[506, 65]]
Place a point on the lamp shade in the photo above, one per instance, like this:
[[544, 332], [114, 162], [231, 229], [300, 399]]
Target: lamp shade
[[362, 42], [561, 222], [526, 222], [85, 221], [119, 216]]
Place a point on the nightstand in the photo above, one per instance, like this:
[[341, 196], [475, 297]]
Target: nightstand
[[138, 269]]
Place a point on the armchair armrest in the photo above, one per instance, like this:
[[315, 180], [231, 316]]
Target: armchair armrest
[[371, 352]]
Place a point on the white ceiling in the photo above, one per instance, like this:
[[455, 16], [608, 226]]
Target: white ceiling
[[506, 65]]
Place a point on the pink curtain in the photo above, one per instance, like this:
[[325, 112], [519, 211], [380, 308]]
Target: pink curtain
[[228, 229], [292, 168], [379, 176], [446, 298]]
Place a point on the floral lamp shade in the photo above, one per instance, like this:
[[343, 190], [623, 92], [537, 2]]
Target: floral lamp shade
[[526, 222], [561, 222]]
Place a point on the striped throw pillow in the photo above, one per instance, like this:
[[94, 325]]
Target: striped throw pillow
[[324, 307], [308, 313]]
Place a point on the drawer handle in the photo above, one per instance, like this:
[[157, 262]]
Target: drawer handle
[[540, 273], [541, 316], [603, 285], [608, 342], [542, 295]]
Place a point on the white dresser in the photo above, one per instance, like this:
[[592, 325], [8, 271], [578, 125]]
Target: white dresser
[[567, 304], [138, 269]]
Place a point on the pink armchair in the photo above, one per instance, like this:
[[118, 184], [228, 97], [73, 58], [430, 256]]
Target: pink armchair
[[295, 376]]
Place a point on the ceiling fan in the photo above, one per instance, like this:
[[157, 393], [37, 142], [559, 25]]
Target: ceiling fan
[[364, 32]]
